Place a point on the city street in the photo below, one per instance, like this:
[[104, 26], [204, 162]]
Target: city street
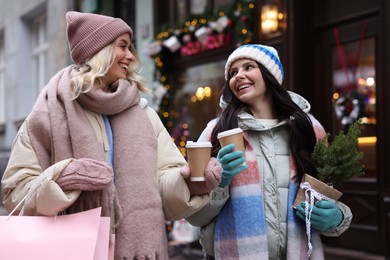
[[191, 251]]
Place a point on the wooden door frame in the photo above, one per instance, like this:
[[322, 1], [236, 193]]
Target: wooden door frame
[[370, 235], [383, 129]]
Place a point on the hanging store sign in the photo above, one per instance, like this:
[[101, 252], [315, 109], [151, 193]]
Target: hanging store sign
[[210, 43]]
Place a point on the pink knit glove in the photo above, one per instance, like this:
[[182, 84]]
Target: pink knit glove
[[85, 174], [212, 174]]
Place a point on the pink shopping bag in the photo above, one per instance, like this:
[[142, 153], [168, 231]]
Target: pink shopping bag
[[83, 236], [104, 249]]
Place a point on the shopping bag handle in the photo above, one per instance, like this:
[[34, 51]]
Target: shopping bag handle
[[22, 210], [17, 206], [30, 191]]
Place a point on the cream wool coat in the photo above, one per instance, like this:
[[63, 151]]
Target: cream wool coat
[[24, 175]]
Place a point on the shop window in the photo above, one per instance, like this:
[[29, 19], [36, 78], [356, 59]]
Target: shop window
[[221, 3], [198, 6], [197, 100], [202, 6], [40, 47], [184, 8], [181, 10], [186, 94], [354, 94]]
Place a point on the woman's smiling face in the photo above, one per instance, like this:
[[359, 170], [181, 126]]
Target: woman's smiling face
[[246, 81], [122, 59]]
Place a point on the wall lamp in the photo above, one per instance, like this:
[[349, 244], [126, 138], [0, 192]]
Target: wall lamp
[[270, 18]]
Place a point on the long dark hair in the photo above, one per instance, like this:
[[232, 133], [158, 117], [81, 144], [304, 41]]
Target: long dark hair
[[302, 136]]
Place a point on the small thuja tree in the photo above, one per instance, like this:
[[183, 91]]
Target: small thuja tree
[[340, 160]]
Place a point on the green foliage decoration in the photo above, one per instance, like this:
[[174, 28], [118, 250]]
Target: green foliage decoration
[[340, 160]]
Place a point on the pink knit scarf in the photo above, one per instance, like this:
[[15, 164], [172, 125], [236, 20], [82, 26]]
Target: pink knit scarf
[[59, 129]]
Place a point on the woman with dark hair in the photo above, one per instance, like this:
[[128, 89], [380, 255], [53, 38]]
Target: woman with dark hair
[[250, 215]]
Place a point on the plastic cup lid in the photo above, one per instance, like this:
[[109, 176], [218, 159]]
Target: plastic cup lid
[[191, 144], [229, 132]]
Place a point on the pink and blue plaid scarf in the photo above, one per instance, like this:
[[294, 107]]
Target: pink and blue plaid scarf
[[241, 231]]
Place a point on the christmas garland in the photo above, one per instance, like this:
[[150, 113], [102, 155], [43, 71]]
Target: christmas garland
[[197, 28], [200, 33]]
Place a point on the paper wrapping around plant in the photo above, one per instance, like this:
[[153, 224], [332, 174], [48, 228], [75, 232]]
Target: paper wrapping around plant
[[319, 186], [310, 190]]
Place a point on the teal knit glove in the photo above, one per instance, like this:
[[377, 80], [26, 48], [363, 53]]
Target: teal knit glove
[[231, 162], [324, 216]]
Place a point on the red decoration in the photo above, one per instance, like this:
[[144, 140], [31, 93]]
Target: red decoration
[[212, 42]]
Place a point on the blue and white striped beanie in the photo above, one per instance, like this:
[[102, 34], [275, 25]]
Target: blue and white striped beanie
[[265, 55]]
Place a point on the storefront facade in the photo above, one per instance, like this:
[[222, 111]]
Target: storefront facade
[[349, 53], [334, 54]]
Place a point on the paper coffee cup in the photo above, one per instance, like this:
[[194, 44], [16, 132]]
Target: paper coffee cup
[[232, 136], [198, 155]]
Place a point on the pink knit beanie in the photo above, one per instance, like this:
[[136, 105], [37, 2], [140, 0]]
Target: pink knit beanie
[[89, 33]]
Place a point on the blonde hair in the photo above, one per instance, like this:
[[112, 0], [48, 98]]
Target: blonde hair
[[89, 75]]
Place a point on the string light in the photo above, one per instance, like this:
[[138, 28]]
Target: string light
[[238, 17], [201, 93], [163, 78]]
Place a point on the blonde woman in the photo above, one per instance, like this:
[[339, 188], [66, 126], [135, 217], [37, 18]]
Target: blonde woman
[[90, 141]]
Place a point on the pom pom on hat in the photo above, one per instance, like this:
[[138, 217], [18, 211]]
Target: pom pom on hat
[[265, 55], [89, 33]]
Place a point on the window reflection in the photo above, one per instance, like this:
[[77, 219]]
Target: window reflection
[[196, 100], [354, 95]]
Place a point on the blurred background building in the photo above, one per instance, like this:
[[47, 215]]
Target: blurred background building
[[335, 54]]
